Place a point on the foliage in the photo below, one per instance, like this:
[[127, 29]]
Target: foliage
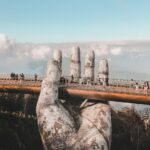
[[128, 131], [17, 133], [20, 104], [19, 130]]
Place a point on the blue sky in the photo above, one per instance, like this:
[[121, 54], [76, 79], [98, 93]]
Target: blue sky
[[117, 29], [42, 21]]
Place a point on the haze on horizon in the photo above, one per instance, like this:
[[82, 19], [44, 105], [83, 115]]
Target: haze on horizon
[[127, 59]]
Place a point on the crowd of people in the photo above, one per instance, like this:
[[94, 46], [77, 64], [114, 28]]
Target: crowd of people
[[132, 83], [136, 85], [15, 76]]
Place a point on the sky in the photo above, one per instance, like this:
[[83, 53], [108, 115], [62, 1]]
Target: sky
[[30, 30], [119, 30], [44, 21]]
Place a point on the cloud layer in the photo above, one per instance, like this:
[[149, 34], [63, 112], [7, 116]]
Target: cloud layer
[[34, 56], [5, 43]]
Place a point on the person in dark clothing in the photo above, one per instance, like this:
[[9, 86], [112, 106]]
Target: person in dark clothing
[[35, 77], [72, 78], [12, 76]]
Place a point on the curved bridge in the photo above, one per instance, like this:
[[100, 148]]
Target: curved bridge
[[118, 90]]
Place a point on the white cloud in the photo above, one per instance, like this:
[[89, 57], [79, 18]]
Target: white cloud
[[116, 51], [39, 52], [6, 44], [35, 55]]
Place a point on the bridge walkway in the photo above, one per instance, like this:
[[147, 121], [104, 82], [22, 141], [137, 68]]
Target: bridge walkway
[[118, 90]]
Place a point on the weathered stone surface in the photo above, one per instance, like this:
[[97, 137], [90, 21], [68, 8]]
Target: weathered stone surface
[[95, 128], [55, 123], [103, 72], [89, 65], [58, 57], [70, 127], [75, 64]]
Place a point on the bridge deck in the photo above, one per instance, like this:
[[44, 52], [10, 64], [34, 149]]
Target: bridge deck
[[96, 92]]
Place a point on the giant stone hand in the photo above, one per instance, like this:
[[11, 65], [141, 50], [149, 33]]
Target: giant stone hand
[[60, 128]]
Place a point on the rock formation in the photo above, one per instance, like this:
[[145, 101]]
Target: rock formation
[[59, 130]]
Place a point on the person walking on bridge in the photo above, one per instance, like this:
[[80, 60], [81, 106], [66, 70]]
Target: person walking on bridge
[[131, 83], [146, 87], [35, 77], [136, 87]]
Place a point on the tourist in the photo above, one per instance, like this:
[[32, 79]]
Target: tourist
[[131, 83], [12, 76], [16, 76], [136, 87], [72, 78], [146, 87], [35, 77]]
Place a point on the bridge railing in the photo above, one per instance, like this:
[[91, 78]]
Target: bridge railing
[[7, 76], [114, 89], [126, 83], [111, 81], [20, 83], [114, 85]]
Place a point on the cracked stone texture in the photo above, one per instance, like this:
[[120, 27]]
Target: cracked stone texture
[[65, 127], [89, 65], [103, 71], [58, 57], [75, 64]]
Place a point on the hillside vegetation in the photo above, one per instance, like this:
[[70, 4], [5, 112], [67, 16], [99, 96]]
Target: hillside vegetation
[[19, 130]]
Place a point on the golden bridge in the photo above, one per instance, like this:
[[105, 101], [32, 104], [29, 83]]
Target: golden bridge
[[117, 90]]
